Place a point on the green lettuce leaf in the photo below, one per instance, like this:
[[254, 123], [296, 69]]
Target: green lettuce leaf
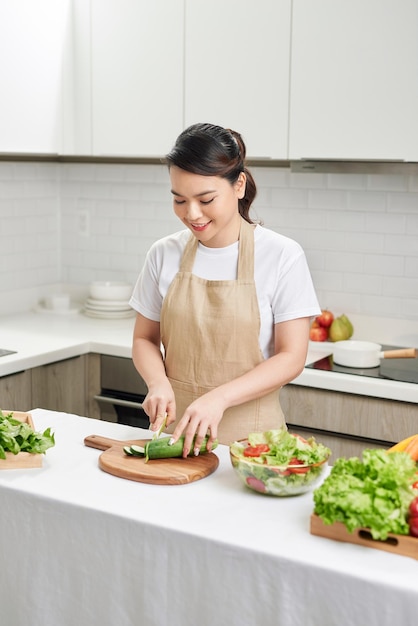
[[372, 493], [17, 436]]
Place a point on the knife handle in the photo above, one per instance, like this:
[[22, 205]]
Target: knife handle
[[101, 443]]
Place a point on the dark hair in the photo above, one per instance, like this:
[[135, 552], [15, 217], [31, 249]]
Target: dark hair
[[210, 150]]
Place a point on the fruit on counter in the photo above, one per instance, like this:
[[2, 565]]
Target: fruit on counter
[[317, 332], [373, 493], [341, 329], [409, 445], [328, 327], [160, 449], [401, 445], [413, 517], [320, 326], [325, 319], [347, 322]]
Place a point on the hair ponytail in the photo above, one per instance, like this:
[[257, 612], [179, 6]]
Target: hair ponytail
[[210, 150]]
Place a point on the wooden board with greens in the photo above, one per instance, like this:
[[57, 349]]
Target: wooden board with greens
[[20, 444]]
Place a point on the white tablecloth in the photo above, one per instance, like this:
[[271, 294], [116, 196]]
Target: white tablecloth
[[81, 547]]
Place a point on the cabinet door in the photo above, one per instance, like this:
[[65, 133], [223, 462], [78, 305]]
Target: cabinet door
[[354, 87], [339, 446], [351, 416], [136, 76], [33, 40], [15, 392], [61, 386], [237, 70]]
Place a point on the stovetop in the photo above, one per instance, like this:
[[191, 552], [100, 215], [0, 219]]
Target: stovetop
[[401, 370]]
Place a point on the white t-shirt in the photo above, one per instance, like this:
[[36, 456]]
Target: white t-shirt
[[282, 278]]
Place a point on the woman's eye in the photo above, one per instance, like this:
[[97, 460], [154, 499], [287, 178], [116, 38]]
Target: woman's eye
[[178, 201], [207, 201]]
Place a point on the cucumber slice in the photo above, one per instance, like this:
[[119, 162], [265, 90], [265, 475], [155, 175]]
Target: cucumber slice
[[137, 450], [127, 450]]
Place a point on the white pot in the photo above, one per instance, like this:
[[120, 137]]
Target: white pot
[[364, 354]]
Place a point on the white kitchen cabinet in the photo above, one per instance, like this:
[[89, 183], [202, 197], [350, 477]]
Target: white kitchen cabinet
[[136, 76], [354, 87], [34, 39], [237, 70]]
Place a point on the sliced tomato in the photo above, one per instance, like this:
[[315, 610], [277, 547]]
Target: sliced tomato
[[256, 450], [297, 470], [256, 484], [301, 438]]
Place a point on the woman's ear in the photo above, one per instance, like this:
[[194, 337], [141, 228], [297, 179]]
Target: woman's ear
[[240, 185]]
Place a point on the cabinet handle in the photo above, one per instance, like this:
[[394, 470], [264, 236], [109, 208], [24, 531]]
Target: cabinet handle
[[118, 402]]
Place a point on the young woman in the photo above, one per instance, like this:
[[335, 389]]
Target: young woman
[[229, 301]]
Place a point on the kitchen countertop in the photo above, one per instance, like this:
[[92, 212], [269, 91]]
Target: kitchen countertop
[[102, 550], [42, 338]]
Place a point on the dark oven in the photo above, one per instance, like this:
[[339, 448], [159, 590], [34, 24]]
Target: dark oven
[[122, 392]]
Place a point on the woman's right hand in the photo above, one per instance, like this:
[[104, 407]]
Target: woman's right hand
[[159, 403]]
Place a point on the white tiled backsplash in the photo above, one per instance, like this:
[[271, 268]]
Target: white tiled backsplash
[[65, 223]]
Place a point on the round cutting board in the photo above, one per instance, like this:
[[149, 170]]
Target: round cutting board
[[177, 471]]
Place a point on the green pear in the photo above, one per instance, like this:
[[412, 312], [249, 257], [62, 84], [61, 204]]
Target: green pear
[[338, 331], [349, 325]]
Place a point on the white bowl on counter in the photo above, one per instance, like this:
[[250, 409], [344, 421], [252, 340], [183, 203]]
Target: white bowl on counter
[[110, 290]]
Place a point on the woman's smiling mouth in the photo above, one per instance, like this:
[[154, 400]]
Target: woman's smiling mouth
[[199, 227]]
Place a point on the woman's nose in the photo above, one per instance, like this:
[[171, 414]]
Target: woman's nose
[[194, 210]]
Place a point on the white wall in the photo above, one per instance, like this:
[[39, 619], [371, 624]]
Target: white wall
[[73, 223]]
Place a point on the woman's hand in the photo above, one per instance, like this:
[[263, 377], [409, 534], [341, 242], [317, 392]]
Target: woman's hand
[[201, 418], [159, 403], [148, 360]]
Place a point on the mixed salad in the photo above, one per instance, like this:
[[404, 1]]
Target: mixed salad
[[281, 463]]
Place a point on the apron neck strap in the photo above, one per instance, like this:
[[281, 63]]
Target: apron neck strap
[[245, 252]]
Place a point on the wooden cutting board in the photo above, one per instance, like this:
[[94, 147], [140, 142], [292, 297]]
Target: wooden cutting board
[[157, 471]]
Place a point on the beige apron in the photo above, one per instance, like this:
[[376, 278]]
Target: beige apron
[[210, 333]]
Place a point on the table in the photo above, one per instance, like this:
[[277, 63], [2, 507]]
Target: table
[[80, 546]]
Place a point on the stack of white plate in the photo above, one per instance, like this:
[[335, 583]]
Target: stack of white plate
[[107, 308], [109, 300]]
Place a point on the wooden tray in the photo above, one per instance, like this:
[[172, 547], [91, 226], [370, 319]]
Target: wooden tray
[[404, 545], [22, 460], [156, 472]]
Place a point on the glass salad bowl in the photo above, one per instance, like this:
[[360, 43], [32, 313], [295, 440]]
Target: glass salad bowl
[[279, 463]]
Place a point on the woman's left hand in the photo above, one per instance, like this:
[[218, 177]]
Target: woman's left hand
[[201, 418]]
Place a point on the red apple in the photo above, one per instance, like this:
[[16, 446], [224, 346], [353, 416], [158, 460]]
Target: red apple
[[325, 319], [318, 333]]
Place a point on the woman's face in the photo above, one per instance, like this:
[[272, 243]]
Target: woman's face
[[208, 206]]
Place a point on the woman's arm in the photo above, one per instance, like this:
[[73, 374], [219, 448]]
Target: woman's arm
[[148, 360], [204, 414]]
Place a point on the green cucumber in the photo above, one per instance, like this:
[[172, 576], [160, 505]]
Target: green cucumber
[[160, 448]]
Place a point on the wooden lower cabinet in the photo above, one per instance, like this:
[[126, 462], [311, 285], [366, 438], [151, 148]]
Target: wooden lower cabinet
[[16, 392], [67, 386], [347, 423], [61, 386]]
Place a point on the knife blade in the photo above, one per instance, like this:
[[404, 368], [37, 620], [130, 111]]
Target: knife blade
[[160, 430]]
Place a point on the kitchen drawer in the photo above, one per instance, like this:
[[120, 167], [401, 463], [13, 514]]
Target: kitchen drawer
[[348, 414]]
